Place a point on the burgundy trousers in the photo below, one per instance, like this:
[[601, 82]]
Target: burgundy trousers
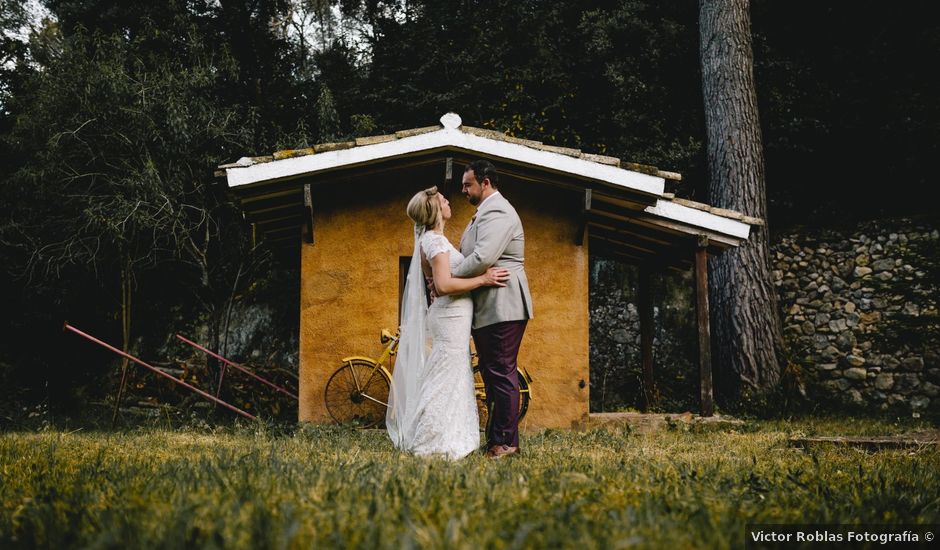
[[497, 348]]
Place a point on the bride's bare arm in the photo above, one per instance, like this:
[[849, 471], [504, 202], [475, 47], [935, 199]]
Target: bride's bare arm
[[445, 283]]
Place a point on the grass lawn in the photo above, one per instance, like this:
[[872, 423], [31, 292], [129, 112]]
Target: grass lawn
[[325, 487]]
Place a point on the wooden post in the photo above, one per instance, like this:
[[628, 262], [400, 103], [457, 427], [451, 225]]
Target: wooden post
[[308, 213], [646, 337], [447, 188], [585, 211], [704, 332]]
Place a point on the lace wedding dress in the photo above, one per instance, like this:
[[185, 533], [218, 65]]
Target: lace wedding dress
[[432, 406]]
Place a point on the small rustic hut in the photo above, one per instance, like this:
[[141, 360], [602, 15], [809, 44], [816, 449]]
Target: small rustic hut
[[343, 205]]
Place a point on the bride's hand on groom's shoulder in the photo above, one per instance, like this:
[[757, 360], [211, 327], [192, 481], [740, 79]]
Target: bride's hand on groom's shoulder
[[495, 276]]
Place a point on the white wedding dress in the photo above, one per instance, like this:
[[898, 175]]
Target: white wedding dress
[[432, 406]]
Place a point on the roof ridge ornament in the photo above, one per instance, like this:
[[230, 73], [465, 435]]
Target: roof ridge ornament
[[451, 121]]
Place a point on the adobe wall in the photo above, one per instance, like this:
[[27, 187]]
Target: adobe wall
[[350, 277]]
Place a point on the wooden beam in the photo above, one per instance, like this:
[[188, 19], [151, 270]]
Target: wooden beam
[[272, 211], [654, 255], [585, 211], [617, 254], [286, 232], [618, 240], [249, 199], [609, 211], [646, 337], [308, 214], [448, 186], [615, 203], [639, 233], [606, 249], [704, 330], [267, 225]]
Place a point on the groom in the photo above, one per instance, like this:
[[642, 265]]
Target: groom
[[495, 238]]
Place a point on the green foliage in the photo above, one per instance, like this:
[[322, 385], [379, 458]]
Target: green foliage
[[253, 487], [606, 77], [117, 149], [114, 142], [13, 20], [328, 118]]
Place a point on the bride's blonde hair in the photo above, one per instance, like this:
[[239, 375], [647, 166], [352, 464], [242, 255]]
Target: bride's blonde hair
[[425, 208]]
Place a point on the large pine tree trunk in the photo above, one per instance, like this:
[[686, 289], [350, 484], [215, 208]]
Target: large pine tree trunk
[[745, 323]]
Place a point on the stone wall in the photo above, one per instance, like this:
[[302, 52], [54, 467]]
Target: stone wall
[[860, 312]]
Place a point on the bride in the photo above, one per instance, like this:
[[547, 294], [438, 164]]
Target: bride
[[431, 405]]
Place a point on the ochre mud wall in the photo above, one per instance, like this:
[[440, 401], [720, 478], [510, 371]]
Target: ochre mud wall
[[350, 283]]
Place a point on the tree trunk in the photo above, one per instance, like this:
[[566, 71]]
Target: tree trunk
[[745, 322]]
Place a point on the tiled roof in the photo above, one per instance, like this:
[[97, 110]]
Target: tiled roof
[[454, 123], [482, 132]]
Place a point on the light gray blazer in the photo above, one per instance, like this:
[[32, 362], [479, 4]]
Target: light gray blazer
[[495, 238]]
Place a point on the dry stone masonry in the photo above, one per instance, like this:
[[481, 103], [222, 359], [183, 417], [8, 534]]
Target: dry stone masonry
[[861, 312]]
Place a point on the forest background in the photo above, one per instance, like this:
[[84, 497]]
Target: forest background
[[114, 115]]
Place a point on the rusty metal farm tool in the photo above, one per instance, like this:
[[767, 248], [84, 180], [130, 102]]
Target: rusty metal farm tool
[[214, 398]]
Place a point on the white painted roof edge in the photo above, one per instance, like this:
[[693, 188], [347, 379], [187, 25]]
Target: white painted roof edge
[[447, 137], [699, 218]]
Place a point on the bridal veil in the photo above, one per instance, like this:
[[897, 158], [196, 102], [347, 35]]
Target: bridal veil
[[413, 348]]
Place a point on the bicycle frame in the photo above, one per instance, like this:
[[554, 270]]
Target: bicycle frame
[[379, 363], [528, 378], [344, 399]]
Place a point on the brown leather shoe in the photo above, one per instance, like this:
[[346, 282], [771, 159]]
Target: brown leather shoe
[[500, 451]]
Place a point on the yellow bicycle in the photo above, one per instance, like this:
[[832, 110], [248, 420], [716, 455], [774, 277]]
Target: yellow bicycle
[[357, 393]]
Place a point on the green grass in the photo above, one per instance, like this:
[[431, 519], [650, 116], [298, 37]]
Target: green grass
[[323, 487]]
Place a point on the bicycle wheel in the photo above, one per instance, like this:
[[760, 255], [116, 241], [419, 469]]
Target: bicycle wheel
[[480, 392], [523, 395], [357, 393]]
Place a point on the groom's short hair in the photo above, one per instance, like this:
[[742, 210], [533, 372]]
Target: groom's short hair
[[483, 169]]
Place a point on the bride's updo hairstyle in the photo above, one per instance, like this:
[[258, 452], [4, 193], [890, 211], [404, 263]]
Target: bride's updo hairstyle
[[425, 208]]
